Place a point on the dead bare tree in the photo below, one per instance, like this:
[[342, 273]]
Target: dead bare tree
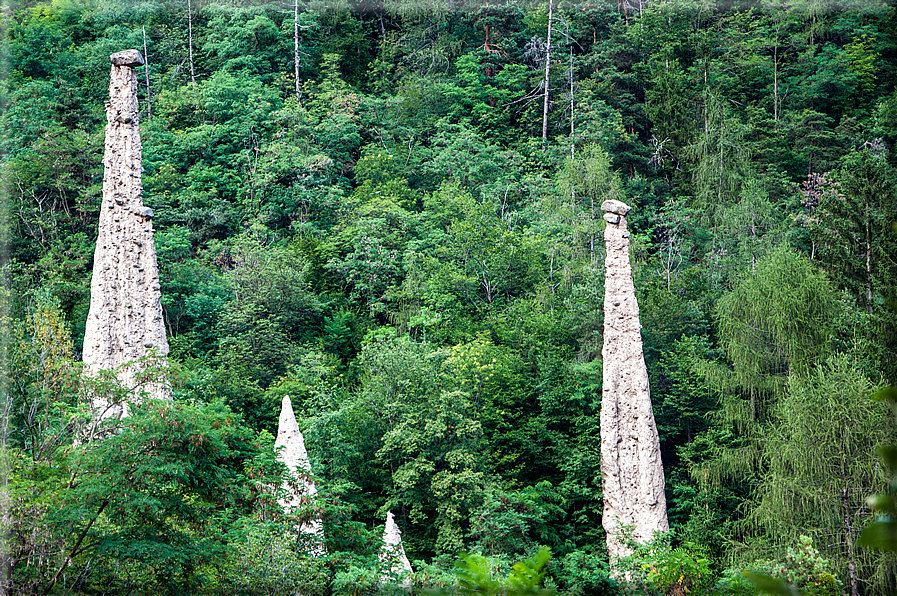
[[293, 7], [296, 46], [547, 75], [149, 105], [570, 76], [190, 40]]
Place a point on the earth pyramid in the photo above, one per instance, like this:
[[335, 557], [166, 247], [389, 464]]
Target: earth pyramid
[[125, 328], [291, 451], [631, 469]]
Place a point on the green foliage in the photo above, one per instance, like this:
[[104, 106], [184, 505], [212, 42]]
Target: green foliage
[[506, 522], [582, 574], [803, 572], [853, 228], [777, 319], [659, 568], [357, 581], [830, 410], [393, 248], [805, 568], [272, 312], [881, 534], [262, 559], [476, 575], [155, 497], [485, 260], [716, 166], [45, 378], [767, 584], [863, 55]]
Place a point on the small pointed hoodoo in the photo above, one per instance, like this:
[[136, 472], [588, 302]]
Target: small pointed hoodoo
[[125, 324], [631, 470], [392, 555], [291, 446]]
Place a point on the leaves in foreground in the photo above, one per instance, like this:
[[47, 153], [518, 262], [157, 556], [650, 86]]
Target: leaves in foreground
[[771, 585], [882, 533], [476, 576]]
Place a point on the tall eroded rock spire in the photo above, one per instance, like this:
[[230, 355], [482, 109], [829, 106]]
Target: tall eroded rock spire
[[392, 555], [125, 323], [631, 469], [291, 451]]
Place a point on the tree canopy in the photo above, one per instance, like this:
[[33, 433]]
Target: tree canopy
[[387, 241]]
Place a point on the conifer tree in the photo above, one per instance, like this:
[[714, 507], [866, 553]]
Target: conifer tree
[[776, 322], [819, 455]]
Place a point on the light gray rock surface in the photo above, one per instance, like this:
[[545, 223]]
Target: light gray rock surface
[[615, 207], [129, 58], [125, 322], [392, 555], [291, 451], [631, 469]]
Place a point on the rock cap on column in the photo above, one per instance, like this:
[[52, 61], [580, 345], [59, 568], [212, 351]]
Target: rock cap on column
[[131, 58], [615, 207]]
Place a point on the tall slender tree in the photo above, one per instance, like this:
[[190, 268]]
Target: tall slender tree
[[190, 40], [296, 47], [852, 225], [149, 105], [547, 77]]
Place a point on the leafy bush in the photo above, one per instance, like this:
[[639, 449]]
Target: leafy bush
[[356, 581], [805, 568], [658, 568], [476, 575], [583, 573]]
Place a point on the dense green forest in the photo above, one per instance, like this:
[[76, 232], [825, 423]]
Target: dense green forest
[[356, 206]]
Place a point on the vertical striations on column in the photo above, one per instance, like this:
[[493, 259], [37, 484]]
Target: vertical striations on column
[[392, 555], [291, 446], [631, 469], [125, 324]]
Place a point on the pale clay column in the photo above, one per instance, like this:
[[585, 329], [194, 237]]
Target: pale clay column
[[125, 322], [631, 469], [290, 445], [392, 555]]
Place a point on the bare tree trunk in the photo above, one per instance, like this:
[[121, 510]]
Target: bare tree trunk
[[719, 188], [775, 80], [753, 245], [296, 47], [592, 230], [547, 74], [851, 558], [868, 258], [149, 105], [190, 40], [572, 141]]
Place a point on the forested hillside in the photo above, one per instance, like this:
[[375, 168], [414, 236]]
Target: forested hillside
[[361, 206]]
